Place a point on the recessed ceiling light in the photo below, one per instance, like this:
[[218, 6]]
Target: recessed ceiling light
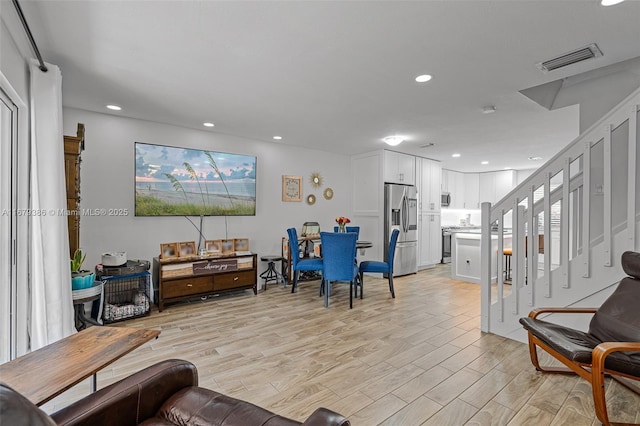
[[423, 78], [114, 107], [507, 168], [534, 158], [393, 140], [207, 124], [489, 109], [484, 162], [610, 2], [277, 137], [455, 155]]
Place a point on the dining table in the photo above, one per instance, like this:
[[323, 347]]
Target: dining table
[[361, 245]]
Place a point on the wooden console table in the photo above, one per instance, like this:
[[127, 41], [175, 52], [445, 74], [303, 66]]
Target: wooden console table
[[188, 278], [43, 374]]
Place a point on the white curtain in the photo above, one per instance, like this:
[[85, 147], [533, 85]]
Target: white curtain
[[51, 315]]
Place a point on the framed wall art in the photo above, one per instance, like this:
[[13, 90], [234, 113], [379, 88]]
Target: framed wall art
[[209, 183], [291, 188]]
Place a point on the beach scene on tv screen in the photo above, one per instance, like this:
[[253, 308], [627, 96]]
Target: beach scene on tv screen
[[172, 181]]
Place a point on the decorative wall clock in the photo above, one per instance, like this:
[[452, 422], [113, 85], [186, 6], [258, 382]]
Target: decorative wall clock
[[316, 180], [311, 199], [328, 194]]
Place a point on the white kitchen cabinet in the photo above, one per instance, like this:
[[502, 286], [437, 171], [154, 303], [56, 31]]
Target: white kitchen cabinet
[[454, 185], [399, 168], [495, 185], [428, 177], [429, 241], [505, 181], [487, 190], [471, 191]]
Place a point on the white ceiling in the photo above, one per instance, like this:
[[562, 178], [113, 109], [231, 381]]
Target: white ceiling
[[337, 75]]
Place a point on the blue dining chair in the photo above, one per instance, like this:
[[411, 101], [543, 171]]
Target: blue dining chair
[[381, 267], [298, 264], [338, 252], [355, 229]]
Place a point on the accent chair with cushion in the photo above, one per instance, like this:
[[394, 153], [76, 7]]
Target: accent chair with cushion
[[374, 266], [298, 264], [166, 393], [338, 254], [354, 229], [611, 347]]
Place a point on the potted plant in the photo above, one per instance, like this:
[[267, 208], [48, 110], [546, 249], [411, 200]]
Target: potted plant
[[80, 278]]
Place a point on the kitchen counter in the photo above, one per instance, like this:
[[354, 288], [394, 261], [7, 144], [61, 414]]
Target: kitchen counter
[[465, 254]]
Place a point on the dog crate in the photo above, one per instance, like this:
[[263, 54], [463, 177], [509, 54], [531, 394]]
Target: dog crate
[[126, 296]]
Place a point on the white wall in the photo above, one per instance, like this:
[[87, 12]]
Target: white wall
[[107, 181], [597, 94], [521, 175]]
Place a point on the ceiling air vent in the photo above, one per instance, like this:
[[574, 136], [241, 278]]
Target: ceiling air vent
[[579, 55]]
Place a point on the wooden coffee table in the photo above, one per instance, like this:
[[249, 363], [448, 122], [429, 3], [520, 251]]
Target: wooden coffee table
[[43, 374]]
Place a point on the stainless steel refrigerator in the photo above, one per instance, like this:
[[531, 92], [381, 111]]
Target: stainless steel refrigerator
[[401, 213]]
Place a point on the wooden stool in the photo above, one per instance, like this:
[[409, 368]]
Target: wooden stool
[[271, 274]]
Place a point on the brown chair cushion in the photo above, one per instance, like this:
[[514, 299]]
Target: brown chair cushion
[[195, 405], [572, 344], [618, 319], [631, 263]]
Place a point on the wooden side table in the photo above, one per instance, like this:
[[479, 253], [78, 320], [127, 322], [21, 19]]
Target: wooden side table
[[45, 373], [85, 295]]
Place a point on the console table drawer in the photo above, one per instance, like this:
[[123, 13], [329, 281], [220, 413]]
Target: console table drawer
[[235, 279], [186, 287]]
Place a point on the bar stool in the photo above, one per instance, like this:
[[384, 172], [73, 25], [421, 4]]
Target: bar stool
[[508, 252], [271, 274]]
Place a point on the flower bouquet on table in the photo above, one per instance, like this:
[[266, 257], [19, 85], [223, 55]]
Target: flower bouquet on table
[[342, 222]]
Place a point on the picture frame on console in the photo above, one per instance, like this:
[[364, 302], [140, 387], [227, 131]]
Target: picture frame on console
[[241, 244], [213, 246], [169, 251], [187, 248], [228, 246]]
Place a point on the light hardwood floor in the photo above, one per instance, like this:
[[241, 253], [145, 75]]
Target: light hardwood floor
[[419, 359]]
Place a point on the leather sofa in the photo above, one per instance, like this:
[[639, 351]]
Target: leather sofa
[[166, 393]]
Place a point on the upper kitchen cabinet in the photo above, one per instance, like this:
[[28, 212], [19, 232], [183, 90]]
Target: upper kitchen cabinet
[[399, 168], [453, 184], [495, 185], [471, 191], [428, 177]]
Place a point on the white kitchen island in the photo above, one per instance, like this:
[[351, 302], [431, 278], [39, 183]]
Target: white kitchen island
[[465, 255]]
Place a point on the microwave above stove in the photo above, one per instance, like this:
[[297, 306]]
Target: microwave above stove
[[445, 199]]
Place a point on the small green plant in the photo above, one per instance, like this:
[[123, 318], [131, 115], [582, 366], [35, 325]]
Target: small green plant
[[77, 260]]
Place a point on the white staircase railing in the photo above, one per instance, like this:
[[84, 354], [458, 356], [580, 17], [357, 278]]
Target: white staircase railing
[[567, 225]]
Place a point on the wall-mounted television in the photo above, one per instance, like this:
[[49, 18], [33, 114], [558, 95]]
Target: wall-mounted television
[[173, 181]]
